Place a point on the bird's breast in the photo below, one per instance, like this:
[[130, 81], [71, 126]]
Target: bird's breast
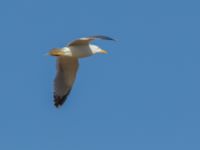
[[80, 51]]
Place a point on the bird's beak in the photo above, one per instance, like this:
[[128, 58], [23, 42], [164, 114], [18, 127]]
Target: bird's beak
[[56, 52], [103, 51]]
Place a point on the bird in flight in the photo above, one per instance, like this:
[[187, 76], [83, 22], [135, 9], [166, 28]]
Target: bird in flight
[[67, 64]]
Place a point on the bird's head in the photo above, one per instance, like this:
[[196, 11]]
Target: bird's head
[[95, 49]]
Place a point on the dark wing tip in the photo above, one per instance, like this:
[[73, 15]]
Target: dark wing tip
[[103, 37], [59, 101]]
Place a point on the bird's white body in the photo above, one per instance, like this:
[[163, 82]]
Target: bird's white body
[[80, 51]]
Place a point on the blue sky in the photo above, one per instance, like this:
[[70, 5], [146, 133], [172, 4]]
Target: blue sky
[[143, 95]]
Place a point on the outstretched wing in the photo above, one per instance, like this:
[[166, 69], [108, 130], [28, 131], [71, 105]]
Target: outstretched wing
[[66, 75], [87, 40]]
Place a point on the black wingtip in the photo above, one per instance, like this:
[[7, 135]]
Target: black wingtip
[[59, 101], [103, 37]]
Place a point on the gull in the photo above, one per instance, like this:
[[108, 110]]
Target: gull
[[68, 62]]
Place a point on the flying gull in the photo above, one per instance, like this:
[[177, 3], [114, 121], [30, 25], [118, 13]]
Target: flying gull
[[67, 64]]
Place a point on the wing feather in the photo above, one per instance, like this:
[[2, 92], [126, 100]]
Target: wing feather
[[87, 40], [66, 73]]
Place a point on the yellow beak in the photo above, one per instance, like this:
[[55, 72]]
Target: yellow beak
[[103, 51]]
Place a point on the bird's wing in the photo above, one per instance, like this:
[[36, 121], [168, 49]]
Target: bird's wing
[[87, 40], [66, 74]]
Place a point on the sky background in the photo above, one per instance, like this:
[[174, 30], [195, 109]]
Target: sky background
[[143, 95]]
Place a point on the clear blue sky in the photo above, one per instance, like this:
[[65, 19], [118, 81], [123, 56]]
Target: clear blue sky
[[143, 95]]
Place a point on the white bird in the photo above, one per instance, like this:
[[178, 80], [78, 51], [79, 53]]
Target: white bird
[[67, 64]]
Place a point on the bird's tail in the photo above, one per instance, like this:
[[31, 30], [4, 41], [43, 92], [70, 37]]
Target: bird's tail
[[56, 52], [59, 100]]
